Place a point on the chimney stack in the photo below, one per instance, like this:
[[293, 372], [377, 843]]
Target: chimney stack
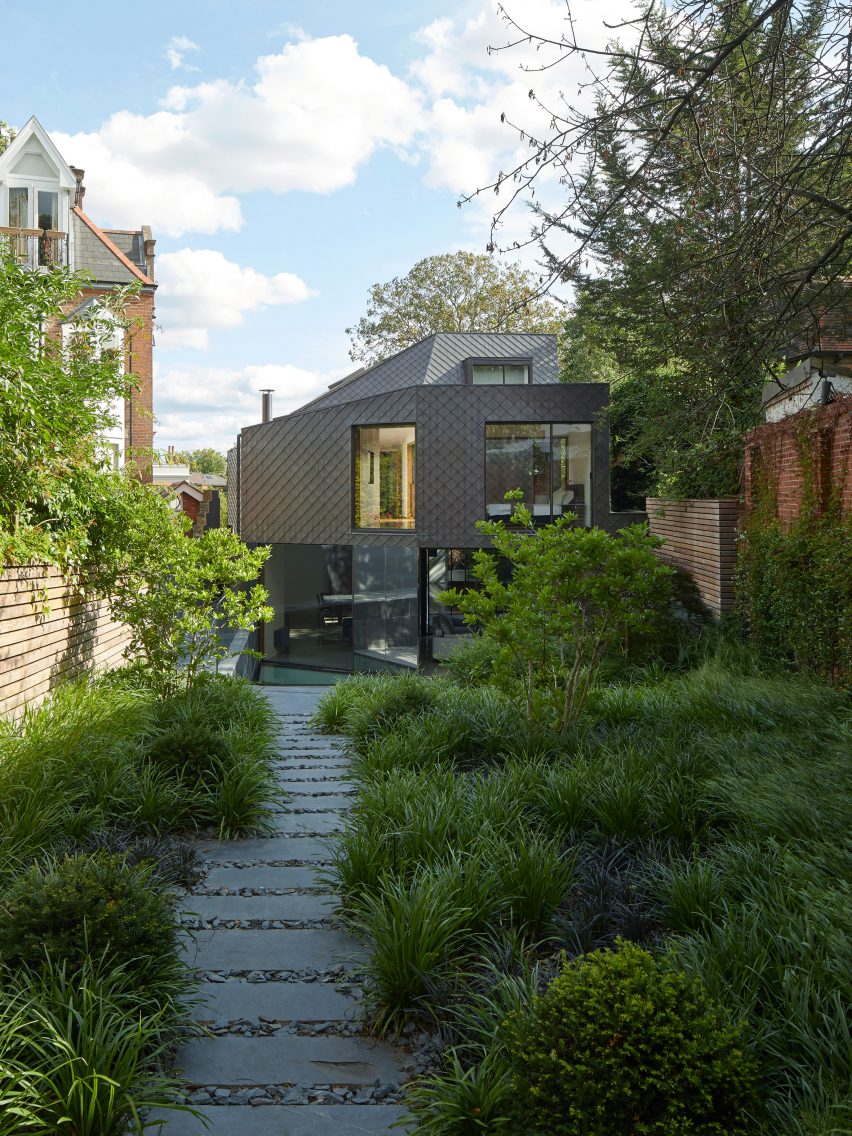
[[266, 405], [80, 191]]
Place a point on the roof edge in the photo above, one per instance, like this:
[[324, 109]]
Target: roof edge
[[114, 249]]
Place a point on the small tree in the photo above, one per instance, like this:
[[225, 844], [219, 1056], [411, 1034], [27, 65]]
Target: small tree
[[574, 594], [172, 591]]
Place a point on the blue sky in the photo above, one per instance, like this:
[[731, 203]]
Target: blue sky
[[287, 156]]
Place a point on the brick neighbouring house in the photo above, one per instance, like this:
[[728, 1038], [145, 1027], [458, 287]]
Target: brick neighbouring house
[[811, 402], [42, 221]]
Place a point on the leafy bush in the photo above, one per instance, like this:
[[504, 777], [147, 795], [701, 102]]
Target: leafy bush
[[191, 751], [623, 1043], [87, 905], [82, 1053]]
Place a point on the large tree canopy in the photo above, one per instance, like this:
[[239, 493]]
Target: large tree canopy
[[706, 198], [459, 291]]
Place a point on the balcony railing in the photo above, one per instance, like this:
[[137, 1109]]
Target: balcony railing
[[35, 248]]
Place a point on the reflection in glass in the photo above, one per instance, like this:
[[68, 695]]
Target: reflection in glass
[[384, 489], [500, 374], [550, 462], [19, 207], [310, 591], [386, 629], [48, 210]]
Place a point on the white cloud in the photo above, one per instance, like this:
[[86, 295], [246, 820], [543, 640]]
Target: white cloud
[[201, 289], [208, 406], [316, 111], [175, 51]]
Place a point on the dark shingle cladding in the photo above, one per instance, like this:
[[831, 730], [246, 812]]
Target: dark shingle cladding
[[439, 360]]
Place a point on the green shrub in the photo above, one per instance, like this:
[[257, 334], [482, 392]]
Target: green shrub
[[471, 662], [621, 1042], [190, 750], [87, 905], [472, 1100]]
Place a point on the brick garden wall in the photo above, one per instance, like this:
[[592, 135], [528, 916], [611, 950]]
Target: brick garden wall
[[776, 450], [700, 538], [39, 650]]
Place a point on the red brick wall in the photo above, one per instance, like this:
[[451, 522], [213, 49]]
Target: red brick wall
[[824, 435]]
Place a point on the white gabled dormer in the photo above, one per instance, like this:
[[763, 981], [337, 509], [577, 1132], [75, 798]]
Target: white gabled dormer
[[37, 188]]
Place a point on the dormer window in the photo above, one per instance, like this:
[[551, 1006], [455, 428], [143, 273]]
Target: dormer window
[[35, 199], [497, 372]]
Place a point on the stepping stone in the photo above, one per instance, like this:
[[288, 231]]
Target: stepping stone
[[225, 949], [320, 804], [309, 788], [264, 876], [294, 907], [268, 848], [321, 824], [275, 1001], [278, 1120], [287, 1059], [319, 769]]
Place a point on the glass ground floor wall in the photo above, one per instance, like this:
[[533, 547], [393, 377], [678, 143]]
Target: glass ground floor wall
[[339, 608]]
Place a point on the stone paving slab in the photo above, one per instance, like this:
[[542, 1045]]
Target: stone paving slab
[[293, 907], [225, 949], [287, 1059], [320, 803], [260, 876], [283, 1120], [310, 788], [275, 847], [321, 824], [275, 1001], [319, 769]]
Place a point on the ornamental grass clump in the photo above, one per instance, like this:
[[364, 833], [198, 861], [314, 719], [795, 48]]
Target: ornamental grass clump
[[621, 1042]]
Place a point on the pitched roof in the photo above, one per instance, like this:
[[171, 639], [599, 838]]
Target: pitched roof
[[113, 248]]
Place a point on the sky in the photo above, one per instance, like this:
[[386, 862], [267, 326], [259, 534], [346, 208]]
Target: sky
[[287, 156]]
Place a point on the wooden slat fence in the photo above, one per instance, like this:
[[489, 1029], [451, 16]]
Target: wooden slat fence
[[701, 538], [40, 648]]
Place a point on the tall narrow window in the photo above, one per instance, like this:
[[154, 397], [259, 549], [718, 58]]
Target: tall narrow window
[[19, 207], [384, 497]]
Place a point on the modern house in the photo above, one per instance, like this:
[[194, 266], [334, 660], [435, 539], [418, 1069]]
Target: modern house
[[43, 224], [370, 494]]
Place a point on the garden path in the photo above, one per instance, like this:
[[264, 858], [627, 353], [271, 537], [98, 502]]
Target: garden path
[[279, 979]]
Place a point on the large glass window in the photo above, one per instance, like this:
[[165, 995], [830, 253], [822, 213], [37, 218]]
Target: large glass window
[[384, 470], [387, 632], [310, 591], [499, 374], [550, 462]]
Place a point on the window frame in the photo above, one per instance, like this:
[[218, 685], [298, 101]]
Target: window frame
[[353, 464], [549, 423], [498, 361]]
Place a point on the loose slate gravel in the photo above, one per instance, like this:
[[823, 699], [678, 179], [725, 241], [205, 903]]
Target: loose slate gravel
[[281, 990]]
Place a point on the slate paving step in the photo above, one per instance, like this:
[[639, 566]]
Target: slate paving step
[[291, 907], [286, 1059], [316, 803], [261, 876], [273, 847], [311, 788], [225, 949], [283, 1120], [275, 1001], [313, 824]]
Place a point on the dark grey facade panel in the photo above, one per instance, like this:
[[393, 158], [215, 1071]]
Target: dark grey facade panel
[[438, 360], [296, 472], [452, 348], [233, 487]]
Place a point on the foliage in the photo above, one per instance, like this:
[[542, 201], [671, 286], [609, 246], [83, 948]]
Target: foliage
[[700, 812], [460, 291], [87, 905], [83, 1053], [56, 400], [191, 751], [574, 595], [622, 1042], [7, 135], [172, 592], [703, 185], [794, 599], [205, 460]]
